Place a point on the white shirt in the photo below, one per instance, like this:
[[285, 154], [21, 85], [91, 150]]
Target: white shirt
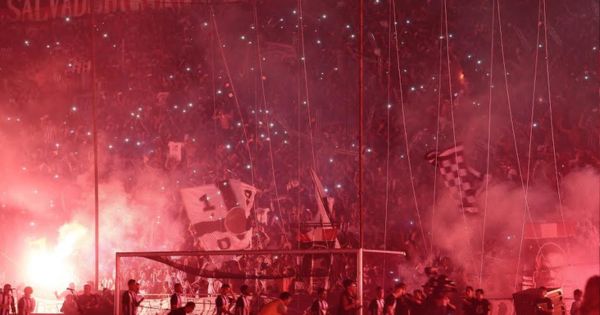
[[323, 307], [380, 306]]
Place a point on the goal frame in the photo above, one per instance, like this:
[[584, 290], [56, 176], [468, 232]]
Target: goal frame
[[358, 252]]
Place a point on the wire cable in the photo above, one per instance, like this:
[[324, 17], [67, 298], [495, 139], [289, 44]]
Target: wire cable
[[410, 171], [233, 91], [487, 158]]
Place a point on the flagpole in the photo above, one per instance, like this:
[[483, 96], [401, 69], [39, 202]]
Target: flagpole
[[361, 96], [95, 145]]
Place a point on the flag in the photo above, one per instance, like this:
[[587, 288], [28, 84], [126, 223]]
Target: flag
[[79, 65], [320, 226], [262, 215], [461, 179], [219, 214], [175, 151], [549, 230]]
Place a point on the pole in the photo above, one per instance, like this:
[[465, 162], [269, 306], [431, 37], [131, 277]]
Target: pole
[[361, 95], [359, 267], [361, 99], [95, 145], [117, 285]]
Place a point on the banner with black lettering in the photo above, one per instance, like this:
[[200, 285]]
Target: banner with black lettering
[[219, 214]]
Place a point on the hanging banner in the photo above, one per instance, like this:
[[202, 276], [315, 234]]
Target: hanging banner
[[44, 10]]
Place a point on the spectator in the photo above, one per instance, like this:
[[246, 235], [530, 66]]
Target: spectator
[[481, 305], [591, 297], [348, 304], [377, 305], [576, 305], [26, 304]]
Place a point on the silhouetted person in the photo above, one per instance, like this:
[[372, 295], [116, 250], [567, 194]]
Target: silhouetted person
[[176, 299], [89, 303], [377, 305], [7, 301], [320, 306], [576, 305], [416, 303], [389, 307], [243, 303], [348, 304], [402, 303], [26, 304], [591, 297], [129, 300], [224, 300], [481, 305], [468, 301], [69, 306]]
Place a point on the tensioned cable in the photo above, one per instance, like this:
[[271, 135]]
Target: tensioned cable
[[487, 158], [213, 82], [460, 192], [361, 127], [388, 109], [437, 127], [306, 95], [264, 101], [235, 97], [546, 58], [387, 159], [526, 210], [299, 211], [535, 71], [410, 172]]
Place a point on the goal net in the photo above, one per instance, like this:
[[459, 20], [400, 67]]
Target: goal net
[[266, 272]]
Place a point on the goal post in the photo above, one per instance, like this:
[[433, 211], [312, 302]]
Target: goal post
[[268, 271]]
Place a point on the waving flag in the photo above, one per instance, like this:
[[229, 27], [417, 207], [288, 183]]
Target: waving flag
[[461, 179], [320, 227], [219, 214]]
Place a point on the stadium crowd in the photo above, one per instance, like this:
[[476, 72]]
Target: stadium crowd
[[167, 76]]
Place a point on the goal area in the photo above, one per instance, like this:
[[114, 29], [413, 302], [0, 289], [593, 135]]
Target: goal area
[[267, 273]]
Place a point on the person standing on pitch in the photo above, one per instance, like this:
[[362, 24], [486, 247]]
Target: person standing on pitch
[[26, 304], [576, 306], [481, 306], [243, 304], [7, 301], [468, 301], [320, 306], [377, 305], [176, 299], [349, 304], [129, 300], [391, 300], [224, 301]]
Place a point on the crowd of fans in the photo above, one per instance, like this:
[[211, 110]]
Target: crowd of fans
[[163, 76], [438, 296]]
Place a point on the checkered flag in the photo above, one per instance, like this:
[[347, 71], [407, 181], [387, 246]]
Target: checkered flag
[[458, 177], [79, 66]]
